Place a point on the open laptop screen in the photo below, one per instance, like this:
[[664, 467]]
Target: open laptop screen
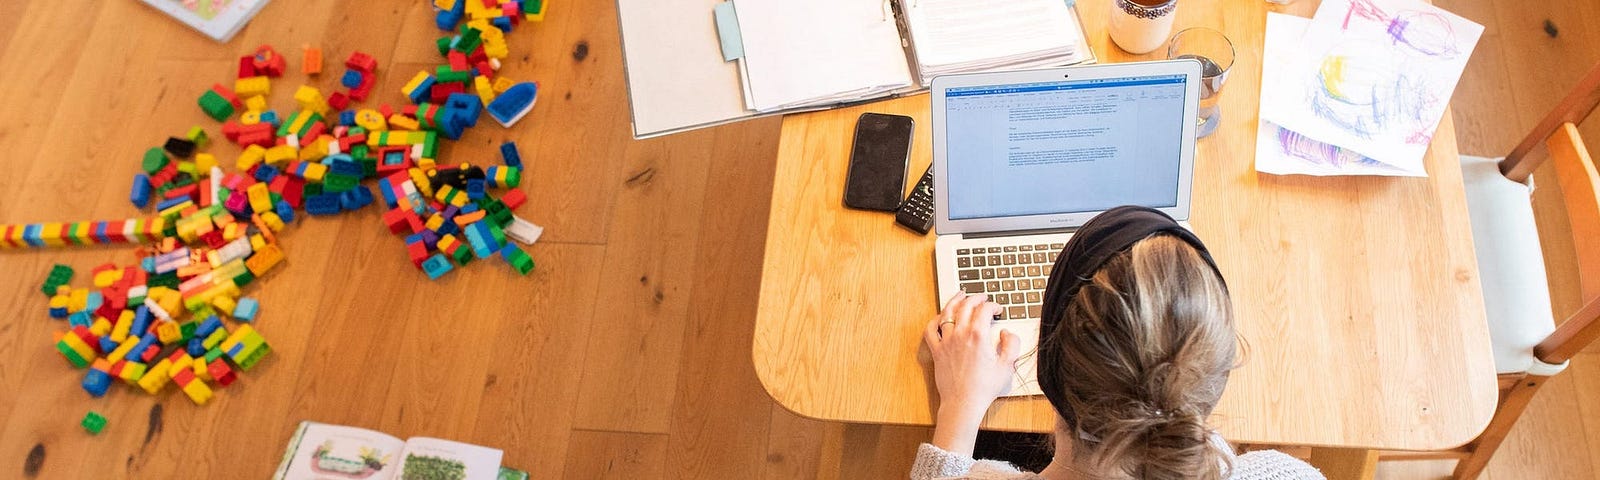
[[1063, 147]]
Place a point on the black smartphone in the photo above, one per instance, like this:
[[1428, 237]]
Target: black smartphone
[[878, 160]]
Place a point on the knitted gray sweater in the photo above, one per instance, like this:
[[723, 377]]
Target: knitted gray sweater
[[934, 463]]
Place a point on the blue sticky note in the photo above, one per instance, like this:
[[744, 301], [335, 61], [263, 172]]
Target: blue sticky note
[[728, 31]]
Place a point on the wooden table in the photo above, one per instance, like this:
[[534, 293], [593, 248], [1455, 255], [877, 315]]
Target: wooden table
[[1357, 298]]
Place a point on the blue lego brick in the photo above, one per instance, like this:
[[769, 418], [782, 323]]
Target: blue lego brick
[[96, 383], [140, 194], [509, 154], [436, 266], [351, 78]]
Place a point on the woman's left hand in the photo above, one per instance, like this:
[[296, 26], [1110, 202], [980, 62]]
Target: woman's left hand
[[973, 360]]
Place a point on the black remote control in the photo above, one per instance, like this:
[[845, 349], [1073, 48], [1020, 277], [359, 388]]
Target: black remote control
[[916, 212]]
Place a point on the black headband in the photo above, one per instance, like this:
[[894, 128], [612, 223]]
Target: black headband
[[1102, 238]]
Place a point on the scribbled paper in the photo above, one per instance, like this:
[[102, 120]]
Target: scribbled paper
[[1373, 77], [1281, 151]]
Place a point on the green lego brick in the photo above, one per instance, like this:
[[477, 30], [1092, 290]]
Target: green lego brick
[[187, 329], [312, 189], [444, 74], [154, 160], [444, 45], [198, 136], [168, 279], [513, 177], [59, 275], [250, 359], [369, 166], [72, 355], [215, 106], [334, 182], [93, 422], [430, 144]]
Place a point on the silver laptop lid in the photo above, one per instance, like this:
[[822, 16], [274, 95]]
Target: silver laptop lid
[[1050, 149]]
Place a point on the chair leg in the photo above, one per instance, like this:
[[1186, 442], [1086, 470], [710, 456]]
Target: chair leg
[[1511, 406], [1345, 463]]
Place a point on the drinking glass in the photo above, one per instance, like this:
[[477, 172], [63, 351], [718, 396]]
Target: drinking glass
[[1215, 53]]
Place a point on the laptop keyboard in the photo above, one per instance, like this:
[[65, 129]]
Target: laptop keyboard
[[1013, 276]]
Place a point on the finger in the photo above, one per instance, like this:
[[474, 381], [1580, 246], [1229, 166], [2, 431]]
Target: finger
[[962, 311], [1010, 346], [951, 304], [981, 317], [930, 333]]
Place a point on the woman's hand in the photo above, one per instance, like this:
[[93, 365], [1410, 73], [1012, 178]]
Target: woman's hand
[[973, 362]]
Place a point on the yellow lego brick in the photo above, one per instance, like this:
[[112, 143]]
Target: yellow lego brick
[[168, 332], [132, 372], [76, 344], [257, 242], [174, 211], [203, 162], [445, 5], [315, 150], [414, 83], [249, 118], [272, 220], [216, 337], [100, 327], [156, 377], [252, 155], [260, 197], [311, 99], [121, 351], [252, 86], [426, 163], [315, 171], [233, 231], [200, 371], [402, 122], [255, 104], [197, 391], [281, 154], [50, 234], [78, 300], [372, 120], [420, 179], [239, 334], [183, 362], [124, 325], [501, 84]]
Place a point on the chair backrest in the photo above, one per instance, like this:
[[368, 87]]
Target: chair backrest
[[1580, 190]]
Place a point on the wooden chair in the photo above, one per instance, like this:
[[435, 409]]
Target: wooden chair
[[1529, 347]]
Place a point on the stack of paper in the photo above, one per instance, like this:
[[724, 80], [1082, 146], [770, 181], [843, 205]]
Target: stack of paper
[[818, 52], [966, 36], [1360, 88]]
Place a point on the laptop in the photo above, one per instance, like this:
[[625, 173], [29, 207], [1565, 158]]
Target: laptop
[[1021, 159]]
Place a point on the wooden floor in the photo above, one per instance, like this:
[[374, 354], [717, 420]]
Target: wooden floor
[[625, 355]]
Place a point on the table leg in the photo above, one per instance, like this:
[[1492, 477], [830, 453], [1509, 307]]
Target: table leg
[[1345, 463]]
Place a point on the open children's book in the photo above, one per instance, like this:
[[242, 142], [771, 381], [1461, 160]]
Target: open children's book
[[320, 451]]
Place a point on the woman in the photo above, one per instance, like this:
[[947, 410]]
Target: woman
[[1135, 346]]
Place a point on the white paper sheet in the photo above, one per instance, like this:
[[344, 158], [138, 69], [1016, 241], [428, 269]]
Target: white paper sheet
[[1373, 77], [818, 52], [1281, 151], [963, 36]]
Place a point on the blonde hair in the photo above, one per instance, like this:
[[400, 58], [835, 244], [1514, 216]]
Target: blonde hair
[[1147, 344]]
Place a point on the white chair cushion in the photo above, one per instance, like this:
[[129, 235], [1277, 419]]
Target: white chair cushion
[[1516, 293]]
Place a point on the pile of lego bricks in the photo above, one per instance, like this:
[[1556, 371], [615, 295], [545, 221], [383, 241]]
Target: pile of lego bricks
[[213, 233]]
